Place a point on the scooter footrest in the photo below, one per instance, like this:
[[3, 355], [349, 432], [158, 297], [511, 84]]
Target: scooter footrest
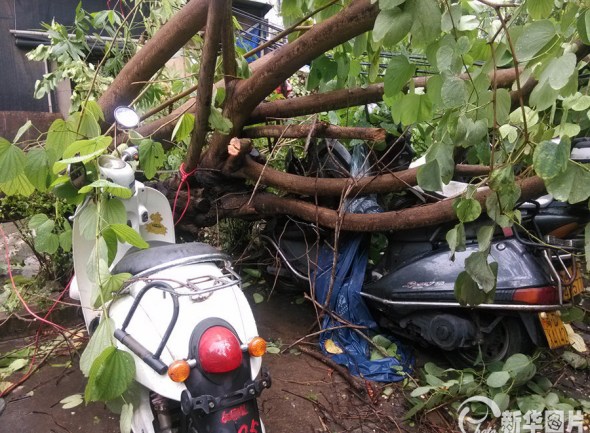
[[207, 404]]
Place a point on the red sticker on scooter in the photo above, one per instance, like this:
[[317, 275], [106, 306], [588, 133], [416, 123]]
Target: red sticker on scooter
[[234, 414]]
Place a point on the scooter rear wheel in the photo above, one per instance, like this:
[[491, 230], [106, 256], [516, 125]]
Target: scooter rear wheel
[[506, 338]]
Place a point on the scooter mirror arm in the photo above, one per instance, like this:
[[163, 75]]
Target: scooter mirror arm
[[151, 359]]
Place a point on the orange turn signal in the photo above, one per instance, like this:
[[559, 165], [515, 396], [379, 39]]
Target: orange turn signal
[[257, 346], [179, 371]]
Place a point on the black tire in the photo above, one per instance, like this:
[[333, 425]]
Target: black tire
[[508, 337]]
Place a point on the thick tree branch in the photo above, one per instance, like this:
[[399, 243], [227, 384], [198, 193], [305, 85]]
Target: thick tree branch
[[319, 129], [385, 183], [418, 216], [357, 18], [215, 21], [156, 52], [345, 98]]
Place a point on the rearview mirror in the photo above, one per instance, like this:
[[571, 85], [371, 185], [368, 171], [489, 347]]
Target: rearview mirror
[[77, 174]]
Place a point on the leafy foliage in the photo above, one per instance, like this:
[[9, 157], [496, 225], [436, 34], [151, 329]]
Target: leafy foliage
[[514, 384]]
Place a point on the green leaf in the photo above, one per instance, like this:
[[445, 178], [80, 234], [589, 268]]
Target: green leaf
[[65, 240], [574, 360], [467, 209], [45, 240], [391, 26], [61, 165], [88, 221], [151, 157], [498, 379], [97, 266], [129, 235], [467, 292], [426, 16], [113, 211], [539, 9], [112, 243], [456, 239], [93, 107], [20, 185], [550, 159], [503, 104], [482, 272], [529, 403], [416, 108], [484, 237], [390, 4], [87, 147], [108, 285], [443, 154], [533, 38], [559, 71], [428, 176], [258, 298], [531, 116], [60, 135], [583, 26], [37, 168], [421, 390], [183, 127], [85, 123], [502, 400], [99, 341], [218, 122], [521, 368], [453, 92], [37, 220], [107, 186], [12, 161], [571, 185], [21, 131], [110, 375], [398, 73], [450, 17], [433, 369], [543, 96]]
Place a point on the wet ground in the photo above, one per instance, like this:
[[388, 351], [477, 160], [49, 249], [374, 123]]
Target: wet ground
[[306, 396]]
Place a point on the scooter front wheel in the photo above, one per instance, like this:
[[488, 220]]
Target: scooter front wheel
[[508, 337]]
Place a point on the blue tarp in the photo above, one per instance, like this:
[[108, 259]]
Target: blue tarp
[[346, 301]]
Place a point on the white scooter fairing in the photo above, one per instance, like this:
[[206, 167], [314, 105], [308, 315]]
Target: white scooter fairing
[[203, 286]]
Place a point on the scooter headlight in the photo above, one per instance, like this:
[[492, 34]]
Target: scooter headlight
[[219, 350]]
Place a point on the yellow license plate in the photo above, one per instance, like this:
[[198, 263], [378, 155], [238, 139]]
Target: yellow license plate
[[576, 287], [554, 329]]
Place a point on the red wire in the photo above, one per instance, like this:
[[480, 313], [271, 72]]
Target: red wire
[[183, 179], [20, 298], [42, 320]]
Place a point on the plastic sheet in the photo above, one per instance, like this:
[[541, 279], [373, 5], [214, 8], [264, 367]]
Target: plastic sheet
[[345, 299]]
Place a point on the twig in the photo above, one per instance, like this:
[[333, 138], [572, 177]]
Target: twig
[[358, 387], [287, 31]]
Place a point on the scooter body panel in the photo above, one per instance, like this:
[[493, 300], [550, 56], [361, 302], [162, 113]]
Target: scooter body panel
[[148, 212], [429, 275], [154, 313]]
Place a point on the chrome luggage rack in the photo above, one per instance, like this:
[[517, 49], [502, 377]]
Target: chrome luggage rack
[[198, 288]]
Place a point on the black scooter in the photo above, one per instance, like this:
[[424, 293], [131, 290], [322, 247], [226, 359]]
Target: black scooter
[[411, 290]]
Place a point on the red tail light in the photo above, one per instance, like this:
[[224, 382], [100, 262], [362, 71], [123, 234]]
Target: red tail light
[[536, 295], [219, 350]]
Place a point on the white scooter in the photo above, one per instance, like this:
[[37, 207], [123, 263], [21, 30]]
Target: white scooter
[[182, 313]]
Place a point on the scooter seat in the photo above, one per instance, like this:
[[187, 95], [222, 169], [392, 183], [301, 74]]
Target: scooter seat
[[137, 261]]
